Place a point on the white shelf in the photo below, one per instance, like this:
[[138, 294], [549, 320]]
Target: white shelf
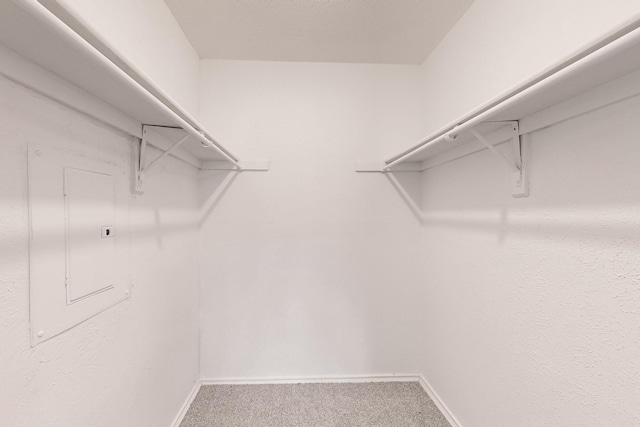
[[31, 31], [611, 63]]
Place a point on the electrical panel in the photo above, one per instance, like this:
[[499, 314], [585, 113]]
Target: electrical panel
[[79, 245]]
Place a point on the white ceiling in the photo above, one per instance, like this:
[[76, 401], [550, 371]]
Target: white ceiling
[[369, 31]]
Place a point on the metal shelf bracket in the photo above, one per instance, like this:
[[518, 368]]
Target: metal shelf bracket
[[519, 182], [141, 166]]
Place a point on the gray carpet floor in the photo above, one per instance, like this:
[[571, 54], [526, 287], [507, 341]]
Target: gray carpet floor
[[337, 404]]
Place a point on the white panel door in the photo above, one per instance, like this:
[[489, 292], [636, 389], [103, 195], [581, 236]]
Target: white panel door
[[89, 209]]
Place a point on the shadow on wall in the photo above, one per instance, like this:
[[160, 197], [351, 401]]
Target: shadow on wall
[[213, 186], [566, 203], [408, 186]]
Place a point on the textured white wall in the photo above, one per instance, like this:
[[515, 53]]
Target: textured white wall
[[147, 33], [498, 44], [134, 364], [531, 305], [531, 309], [309, 269]]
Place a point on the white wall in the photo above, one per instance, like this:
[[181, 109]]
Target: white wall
[[309, 269], [134, 364], [531, 305], [498, 44], [147, 33]]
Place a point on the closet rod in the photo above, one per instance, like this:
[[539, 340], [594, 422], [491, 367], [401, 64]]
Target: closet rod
[[622, 38], [72, 28]]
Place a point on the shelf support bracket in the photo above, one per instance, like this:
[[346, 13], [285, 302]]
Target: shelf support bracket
[[519, 184], [141, 166]]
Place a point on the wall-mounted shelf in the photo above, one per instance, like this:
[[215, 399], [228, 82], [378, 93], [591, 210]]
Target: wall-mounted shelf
[[607, 69], [51, 37]]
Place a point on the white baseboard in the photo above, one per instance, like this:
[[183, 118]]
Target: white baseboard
[[310, 380], [439, 403], [187, 403]]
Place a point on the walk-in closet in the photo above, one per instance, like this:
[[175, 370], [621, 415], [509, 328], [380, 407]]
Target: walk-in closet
[[380, 213]]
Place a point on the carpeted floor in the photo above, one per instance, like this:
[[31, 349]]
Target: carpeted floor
[[338, 404]]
